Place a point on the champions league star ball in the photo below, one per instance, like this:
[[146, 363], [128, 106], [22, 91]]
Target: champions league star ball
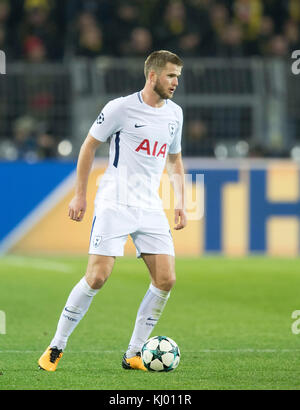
[[160, 354]]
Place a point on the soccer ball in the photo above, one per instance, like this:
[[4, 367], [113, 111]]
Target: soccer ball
[[160, 354]]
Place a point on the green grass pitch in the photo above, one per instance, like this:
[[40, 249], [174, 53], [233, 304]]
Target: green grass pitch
[[232, 319]]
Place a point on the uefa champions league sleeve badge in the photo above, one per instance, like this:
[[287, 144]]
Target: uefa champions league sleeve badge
[[100, 118]]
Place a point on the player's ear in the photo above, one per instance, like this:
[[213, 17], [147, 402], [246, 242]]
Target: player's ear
[[152, 77]]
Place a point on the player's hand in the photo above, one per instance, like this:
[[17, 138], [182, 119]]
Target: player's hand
[[180, 219], [77, 208]]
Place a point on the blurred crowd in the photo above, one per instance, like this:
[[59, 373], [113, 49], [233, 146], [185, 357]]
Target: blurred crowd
[[41, 30], [56, 31]]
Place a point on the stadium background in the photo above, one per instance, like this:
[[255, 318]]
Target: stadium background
[[65, 60]]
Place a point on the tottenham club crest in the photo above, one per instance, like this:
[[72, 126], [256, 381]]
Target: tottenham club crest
[[100, 118], [96, 241], [172, 129]]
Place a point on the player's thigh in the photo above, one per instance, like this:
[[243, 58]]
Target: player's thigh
[[98, 270], [162, 270]]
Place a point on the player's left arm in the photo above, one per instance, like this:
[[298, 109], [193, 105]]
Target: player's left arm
[[175, 171]]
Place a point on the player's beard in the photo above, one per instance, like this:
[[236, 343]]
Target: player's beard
[[158, 88]]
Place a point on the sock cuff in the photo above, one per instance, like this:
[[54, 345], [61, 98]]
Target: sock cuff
[[164, 294], [87, 289]]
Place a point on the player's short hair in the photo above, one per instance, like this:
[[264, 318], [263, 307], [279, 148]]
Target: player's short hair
[[158, 59]]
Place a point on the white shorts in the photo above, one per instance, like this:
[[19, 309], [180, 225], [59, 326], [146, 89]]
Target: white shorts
[[112, 223]]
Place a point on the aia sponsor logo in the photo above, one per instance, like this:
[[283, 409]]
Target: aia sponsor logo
[[154, 151]]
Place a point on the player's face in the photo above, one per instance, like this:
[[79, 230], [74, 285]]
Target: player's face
[[167, 81]]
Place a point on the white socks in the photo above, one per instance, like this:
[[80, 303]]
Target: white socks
[[77, 304], [148, 314], [80, 299]]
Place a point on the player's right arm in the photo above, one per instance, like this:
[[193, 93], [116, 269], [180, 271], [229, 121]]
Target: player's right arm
[[108, 122], [77, 206]]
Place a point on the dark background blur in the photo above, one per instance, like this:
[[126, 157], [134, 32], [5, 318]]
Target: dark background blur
[[239, 96]]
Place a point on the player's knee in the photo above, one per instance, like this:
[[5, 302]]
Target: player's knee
[[166, 283], [96, 279], [97, 274], [171, 282]]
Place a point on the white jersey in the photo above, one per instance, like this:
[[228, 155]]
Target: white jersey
[[141, 137]]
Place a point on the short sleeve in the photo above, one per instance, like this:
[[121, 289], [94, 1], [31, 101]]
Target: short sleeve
[[175, 146], [109, 121]]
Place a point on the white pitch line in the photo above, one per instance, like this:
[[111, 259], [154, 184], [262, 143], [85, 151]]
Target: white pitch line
[[36, 263], [72, 352], [187, 351], [247, 351]]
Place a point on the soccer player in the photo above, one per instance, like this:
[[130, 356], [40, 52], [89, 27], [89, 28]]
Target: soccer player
[[144, 129]]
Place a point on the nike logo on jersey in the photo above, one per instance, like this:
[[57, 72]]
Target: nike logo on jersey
[[139, 126]]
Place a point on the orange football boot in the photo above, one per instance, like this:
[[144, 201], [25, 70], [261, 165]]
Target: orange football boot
[[50, 358], [133, 363]]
